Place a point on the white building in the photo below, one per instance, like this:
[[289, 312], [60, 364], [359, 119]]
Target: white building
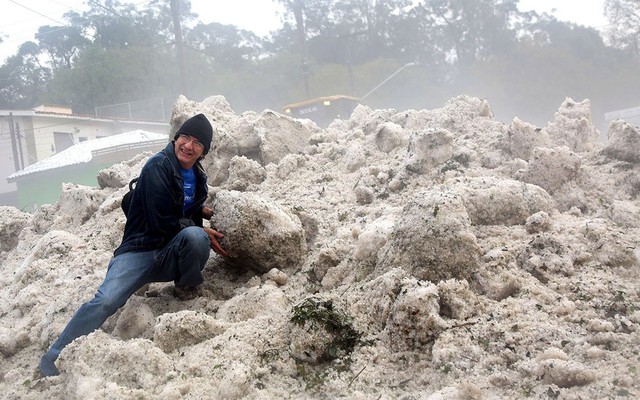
[[41, 183], [28, 136]]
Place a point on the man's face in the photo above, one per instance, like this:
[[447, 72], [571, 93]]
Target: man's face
[[188, 150]]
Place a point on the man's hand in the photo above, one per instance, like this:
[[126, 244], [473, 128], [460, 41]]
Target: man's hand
[[213, 240], [207, 213]]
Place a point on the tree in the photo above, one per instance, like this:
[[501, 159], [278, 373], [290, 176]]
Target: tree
[[61, 44], [129, 56], [361, 29], [624, 24], [158, 15], [561, 60], [116, 25], [338, 32], [23, 78], [116, 75], [469, 30], [225, 44]]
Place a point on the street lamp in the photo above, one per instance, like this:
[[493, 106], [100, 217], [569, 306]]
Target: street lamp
[[407, 65]]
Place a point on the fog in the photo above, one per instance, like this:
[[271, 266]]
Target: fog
[[524, 63], [424, 254], [471, 224]]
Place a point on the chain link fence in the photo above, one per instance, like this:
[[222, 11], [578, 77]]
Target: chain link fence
[[146, 110]]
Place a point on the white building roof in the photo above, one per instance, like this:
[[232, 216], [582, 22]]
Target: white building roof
[[83, 151]]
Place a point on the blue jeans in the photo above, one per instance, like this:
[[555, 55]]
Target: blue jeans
[[181, 261]]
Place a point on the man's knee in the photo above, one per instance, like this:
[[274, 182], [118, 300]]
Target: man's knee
[[195, 237], [193, 233], [109, 302], [110, 306]]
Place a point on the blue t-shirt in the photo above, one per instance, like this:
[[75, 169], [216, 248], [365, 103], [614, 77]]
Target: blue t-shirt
[[189, 178]]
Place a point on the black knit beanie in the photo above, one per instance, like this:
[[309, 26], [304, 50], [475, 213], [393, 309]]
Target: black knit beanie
[[200, 128]]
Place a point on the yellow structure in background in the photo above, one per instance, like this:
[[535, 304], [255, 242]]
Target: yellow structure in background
[[323, 110]]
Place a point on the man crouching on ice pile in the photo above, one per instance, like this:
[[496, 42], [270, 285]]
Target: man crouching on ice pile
[[164, 239]]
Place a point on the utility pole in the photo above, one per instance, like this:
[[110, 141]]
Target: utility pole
[[19, 143], [14, 147], [298, 12], [177, 34], [352, 86], [347, 38]]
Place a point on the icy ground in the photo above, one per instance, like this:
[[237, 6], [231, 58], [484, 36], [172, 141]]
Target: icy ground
[[419, 254]]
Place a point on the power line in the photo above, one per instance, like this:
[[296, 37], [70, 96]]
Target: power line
[[36, 12], [63, 24], [45, 127]]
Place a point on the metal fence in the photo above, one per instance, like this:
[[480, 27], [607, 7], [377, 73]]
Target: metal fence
[[146, 110]]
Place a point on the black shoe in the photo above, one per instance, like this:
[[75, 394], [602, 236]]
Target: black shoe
[[186, 292], [48, 367]]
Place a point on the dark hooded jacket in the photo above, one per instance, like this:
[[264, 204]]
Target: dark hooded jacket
[[156, 213]]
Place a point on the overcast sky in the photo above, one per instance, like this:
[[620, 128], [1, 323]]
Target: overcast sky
[[583, 12], [20, 19]]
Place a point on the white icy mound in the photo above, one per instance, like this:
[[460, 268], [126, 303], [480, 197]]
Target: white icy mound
[[431, 254]]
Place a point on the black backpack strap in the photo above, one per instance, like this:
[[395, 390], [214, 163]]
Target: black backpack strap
[[133, 182], [126, 199]]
